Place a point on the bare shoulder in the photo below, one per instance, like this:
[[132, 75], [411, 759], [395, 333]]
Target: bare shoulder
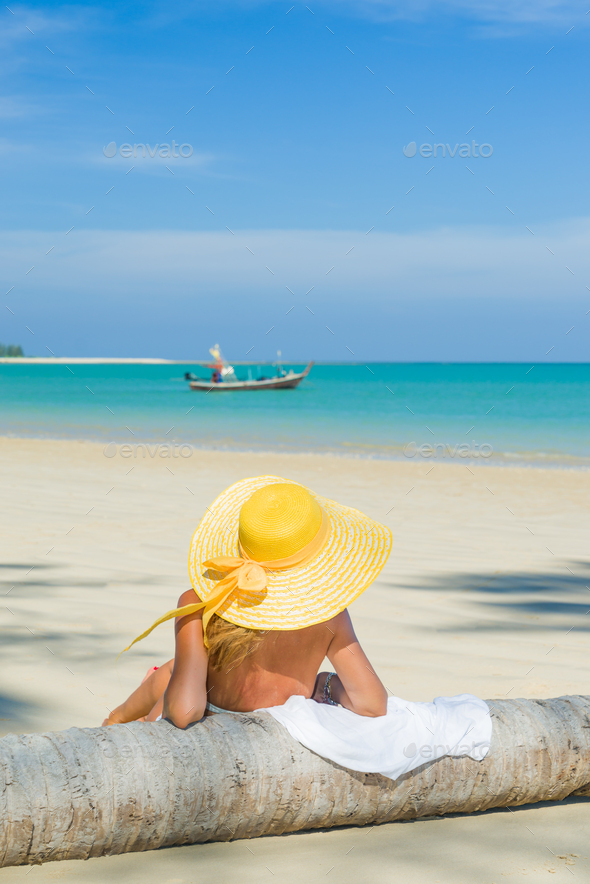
[[341, 627], [189, 597]]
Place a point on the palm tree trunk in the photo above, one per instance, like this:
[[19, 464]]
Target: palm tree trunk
[[98, 791]]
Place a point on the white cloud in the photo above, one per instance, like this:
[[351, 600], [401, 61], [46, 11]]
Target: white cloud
[[69, 153], [531, 12], [449, 294], [523, 12], [458, 264], [144, 163], [27, 24], [12, 107], [13, 147]]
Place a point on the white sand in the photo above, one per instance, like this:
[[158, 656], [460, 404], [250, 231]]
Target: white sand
[[487, 591]]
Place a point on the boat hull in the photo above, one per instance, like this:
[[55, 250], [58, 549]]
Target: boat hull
[[288, 382]]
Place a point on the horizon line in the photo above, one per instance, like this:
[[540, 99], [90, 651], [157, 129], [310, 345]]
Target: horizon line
[[149, 360]]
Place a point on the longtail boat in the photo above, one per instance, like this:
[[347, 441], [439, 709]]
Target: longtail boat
[[224, 377]]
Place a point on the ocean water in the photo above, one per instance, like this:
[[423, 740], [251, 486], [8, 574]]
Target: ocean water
[[480, 413]]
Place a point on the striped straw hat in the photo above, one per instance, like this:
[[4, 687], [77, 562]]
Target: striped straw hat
[[316, 555], [270, 554]]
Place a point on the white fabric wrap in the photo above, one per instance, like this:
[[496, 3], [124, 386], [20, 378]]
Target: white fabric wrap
[[409, 735]]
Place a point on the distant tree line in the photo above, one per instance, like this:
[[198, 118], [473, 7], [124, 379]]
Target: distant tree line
[[11, 350]]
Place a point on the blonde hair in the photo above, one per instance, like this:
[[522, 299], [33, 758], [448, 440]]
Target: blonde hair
[[229, 645]]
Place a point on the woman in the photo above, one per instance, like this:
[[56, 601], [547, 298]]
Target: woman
[[238, 668], [243, 670], [273, 568]]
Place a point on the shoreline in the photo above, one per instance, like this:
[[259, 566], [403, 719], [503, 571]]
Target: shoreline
[[101, 360], [147, 360], [507, 460]]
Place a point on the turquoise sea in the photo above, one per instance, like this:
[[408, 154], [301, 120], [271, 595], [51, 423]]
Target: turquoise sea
[[506, 412]]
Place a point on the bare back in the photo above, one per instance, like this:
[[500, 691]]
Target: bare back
[[286, 662]]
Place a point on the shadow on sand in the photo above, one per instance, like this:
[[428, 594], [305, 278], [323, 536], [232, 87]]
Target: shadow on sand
[[16, 716], [556, 600]]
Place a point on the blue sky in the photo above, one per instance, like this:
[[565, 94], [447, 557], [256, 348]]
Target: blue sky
[[297, 153]]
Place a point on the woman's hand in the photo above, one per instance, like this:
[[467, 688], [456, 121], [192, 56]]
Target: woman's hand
[[336, 690], [113, 718], [320, 684]]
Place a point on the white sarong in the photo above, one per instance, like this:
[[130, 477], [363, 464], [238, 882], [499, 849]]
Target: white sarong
[[409, 735]]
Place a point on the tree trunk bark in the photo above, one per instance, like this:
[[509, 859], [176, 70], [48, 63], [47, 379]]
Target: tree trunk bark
[[98, 791]]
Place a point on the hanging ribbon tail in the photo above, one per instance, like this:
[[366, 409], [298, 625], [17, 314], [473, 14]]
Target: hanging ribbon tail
[[225, 588], [177, 612], [240, 573]]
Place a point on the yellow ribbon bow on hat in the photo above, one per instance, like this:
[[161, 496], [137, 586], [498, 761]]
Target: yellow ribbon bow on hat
[[241, 573], [244, 574]]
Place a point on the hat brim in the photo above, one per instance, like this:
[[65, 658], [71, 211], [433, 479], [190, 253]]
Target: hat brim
[[352, 557]]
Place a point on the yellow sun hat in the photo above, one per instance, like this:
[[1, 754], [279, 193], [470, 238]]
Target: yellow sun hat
[[270, 554]]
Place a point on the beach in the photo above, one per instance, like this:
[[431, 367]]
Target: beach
[[486, 591], [235, 247]]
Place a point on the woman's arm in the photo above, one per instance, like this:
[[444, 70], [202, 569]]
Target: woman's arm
[[144, 698], [356, 685], [186, 695]]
